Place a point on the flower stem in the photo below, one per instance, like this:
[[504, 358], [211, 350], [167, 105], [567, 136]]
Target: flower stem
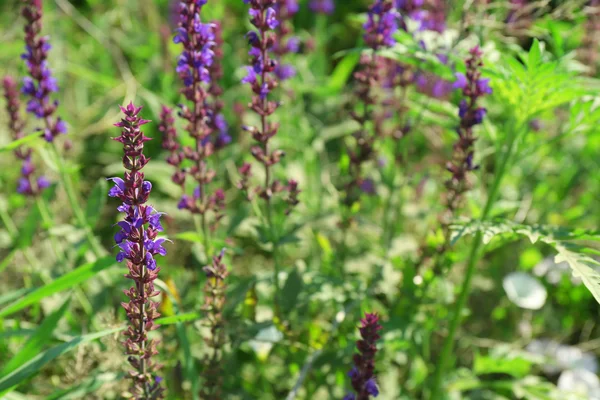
[[73, 202], [474, 256]]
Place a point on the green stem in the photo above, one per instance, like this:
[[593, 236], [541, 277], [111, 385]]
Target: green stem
[[277, 267], [474, 255], [47, 220], [75, 206]]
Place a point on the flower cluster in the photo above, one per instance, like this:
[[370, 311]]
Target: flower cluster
[[199, 72], [322, 6], [379, 29], [429, 14], [214, 301], [40, 84], [138, 244], [262, 78], [362, 373], [382, 23], [28, 184], [473, 87], [284, 43]]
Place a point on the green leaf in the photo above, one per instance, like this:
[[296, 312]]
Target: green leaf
[[7, 259], [20, 142], [340, 75], [189, 236], [27, 230], [563, 240], [291, 290], [96, 202], [34, 365], [88, 386], [192, 316], [535, 54], [67, 281], [38, 340]]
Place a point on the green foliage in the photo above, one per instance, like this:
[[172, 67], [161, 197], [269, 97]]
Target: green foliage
[[575, 247]]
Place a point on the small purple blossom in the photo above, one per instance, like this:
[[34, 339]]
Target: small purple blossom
[[382, 23], [322, 6]]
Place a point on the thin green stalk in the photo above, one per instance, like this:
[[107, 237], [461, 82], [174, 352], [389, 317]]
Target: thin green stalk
[[277, 267], [60, 255], [47, 220], [75, 205], [474, 256]]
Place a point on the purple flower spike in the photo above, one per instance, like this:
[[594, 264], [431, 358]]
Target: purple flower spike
[[40, 83], [378, 34], [473, 87], [265, 47], [382, 23], [27, 185], [214, 302], [138, 245], [199, 67], [362, 373]]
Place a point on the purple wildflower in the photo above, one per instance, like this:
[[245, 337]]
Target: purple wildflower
[[379, 30], [382, 23], [138, 243], [284, 44], [262, 78], [214, 302], [362, 374], [473, 87], [27, 184], [199, 68], [322, 6], [40, 84]]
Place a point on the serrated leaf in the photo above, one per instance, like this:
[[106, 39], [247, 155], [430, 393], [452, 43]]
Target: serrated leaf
[[561, 239], [67, 281]]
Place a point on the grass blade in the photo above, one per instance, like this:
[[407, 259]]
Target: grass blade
[[38, 340], [67, 281], [34, 365]]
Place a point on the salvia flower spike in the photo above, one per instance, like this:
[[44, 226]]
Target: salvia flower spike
[[214, 302], [199, 73], [28, 185], [262, 77], [40, 83], [473, 87], [382, 22], [139, 245], [362, 374]]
